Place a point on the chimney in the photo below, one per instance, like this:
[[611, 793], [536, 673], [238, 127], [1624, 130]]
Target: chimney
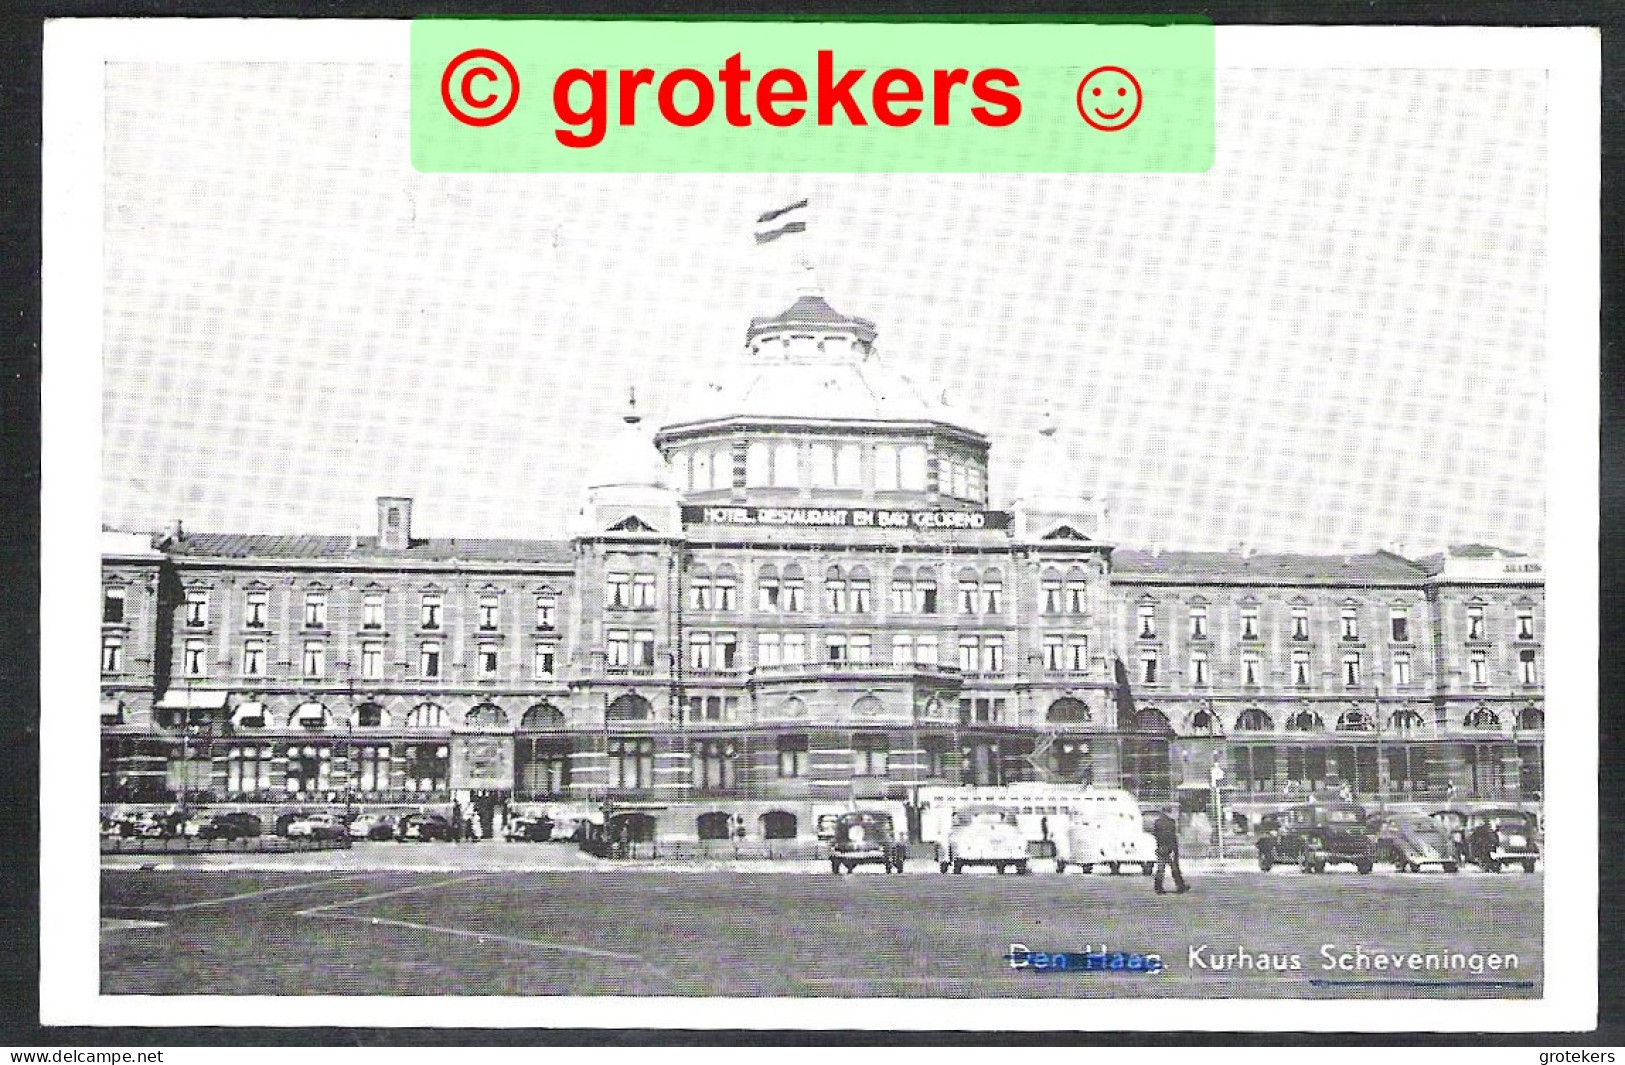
[[394, 523]]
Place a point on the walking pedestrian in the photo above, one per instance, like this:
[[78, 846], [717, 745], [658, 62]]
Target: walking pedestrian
[[1165, 830]]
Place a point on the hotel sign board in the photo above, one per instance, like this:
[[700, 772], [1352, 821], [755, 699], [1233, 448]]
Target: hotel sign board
[[847, 517]]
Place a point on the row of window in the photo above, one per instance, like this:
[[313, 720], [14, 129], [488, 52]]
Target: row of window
[[312, 768], [788, 464], [1399, 625], [1255, 720], [313, 659], [843, 594], [1252, 668], [256, 609]]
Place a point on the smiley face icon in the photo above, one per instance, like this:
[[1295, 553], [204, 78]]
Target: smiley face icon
[[1109, 98]]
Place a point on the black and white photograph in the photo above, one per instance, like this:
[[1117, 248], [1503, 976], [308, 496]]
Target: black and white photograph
[[821, 600]]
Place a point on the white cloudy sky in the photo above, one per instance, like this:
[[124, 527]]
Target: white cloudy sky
[[1334, 339]]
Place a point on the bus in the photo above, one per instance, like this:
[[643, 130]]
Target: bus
[[1076, 824]]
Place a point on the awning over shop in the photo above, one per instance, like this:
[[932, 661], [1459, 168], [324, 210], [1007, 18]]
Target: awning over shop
[[192, 699], [243, 711]]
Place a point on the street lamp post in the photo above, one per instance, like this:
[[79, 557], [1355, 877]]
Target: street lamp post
[[1382, 764]]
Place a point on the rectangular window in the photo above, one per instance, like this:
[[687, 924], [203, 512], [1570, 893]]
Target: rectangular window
[[428, 766], [1148, 622], [618, 591], [767, 594], [372, 661], [314, 659], [925, 650], [1198, 622], [1249, 623], [1148, 668], [1526, 624], [795, 596], [1077, 597], [860, 597], [193, 662], [1052, 597], [1526, 667], [547, 608], [112, 656], [1199, 669], [546, 655], [793, 756], [372, 769], [726, 654], [490, 611], [1077, 654], [619, 644], [1300, 668], [1475, 623], [795, 649], [1399, 624], [248, 769], [699, 594], [968, 654], [848, 472], [967, 597], [372, 611], [1351, 669], [767, 649], [1402, 670], [902, 597], [823, 465], [925, 597], [429, 660], [643, 649], [714, 764], [869, 755], [911, 468], [256, 607], [861, 648], [643, 591], [1478, 668], [786, 466], [1350, 619], [315, 610], [197, 608], [993, 654], [992, 598], [902, 650], [727, 596], [488, 660], [885, 468], [1300, 623], [835, 648], [1054, 652], [699, 651], [429, 612], [254, 658], [835, 597], [1252, 668], [112, 606], [631, 762]]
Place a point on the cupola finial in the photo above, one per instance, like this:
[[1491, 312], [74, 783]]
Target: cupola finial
[[632, 417]]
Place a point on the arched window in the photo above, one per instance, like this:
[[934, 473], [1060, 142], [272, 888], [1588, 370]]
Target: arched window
[[1154, 722], [1069, 710], [786, 466], [1531, 717], [777, 824], [543, 715], [792, 707], [630, 707], [1406, 721], [868, 706], [1203, 722], [714, 825], [1305, 721], [758, 464], [822, 460], [312, 715], [1354, 721], [1254, 720], [847, 471], [426, 715], [369, 715], [486, 715], [722, 468], [1482, 718]]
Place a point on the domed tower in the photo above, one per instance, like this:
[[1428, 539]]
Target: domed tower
[[1052, 500], [812, 416], [628, 486]]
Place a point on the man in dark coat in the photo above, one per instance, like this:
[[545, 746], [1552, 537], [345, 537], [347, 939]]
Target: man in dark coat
[[1165, 830]]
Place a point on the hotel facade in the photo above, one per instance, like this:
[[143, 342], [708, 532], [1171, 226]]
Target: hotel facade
[[796, 597]]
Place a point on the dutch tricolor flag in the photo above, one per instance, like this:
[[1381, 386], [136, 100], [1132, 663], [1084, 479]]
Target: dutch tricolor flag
[[771, 225]]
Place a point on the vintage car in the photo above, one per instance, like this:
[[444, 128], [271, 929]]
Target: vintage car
[[1109, 830], [1455, 823], [984, 835], [423, 827], [866, 837], [1410, 841], [317, 826], [1314, 836], [376, 825], [1501, 837], [236, 825], [528, 828]]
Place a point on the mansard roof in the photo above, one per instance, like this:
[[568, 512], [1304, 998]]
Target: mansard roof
[[365, 548], [1236, 567]]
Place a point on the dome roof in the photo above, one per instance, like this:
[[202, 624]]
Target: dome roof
[[629, 458]]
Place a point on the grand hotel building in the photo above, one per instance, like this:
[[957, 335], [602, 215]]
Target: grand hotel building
[[799, 595]]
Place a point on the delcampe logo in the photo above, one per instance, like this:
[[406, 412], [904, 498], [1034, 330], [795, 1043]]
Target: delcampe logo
[[577, 96]]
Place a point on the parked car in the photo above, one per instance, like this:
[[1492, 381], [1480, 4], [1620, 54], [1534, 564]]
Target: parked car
[[317, 826], [866, 837], [235, 825], [373, 826], [1410, 841], [984, 835], [1314, 836], [1108, 830], [424, 827], [528, 829], [1499, 837]]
